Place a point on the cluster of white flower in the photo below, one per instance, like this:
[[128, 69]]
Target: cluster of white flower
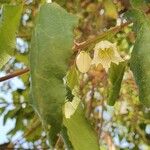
[[105, 52]]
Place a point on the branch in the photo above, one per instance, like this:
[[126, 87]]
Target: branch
[[35, 124], [108, 139], [77, 47], [113, 30], [14, 74], [58, 141]]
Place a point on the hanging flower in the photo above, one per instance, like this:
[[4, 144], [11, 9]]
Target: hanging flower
[[83, 61], [106, 52]]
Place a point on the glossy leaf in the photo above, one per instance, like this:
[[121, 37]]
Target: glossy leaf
[[51, 45]]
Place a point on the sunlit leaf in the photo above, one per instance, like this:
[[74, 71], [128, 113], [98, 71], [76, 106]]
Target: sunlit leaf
[[8, 27], [80, 131], [72, 77]]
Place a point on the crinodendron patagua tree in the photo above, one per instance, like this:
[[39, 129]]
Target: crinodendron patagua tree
[[87, 87]]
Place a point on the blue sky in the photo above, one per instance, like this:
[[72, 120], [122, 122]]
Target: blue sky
[[6, 94]]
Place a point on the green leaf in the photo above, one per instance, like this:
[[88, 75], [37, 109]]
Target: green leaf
[[22, 58], [140, 57], [61, 3], [11, 114], [2, 110], [4, 58], [80, 131], [5, 1], [72, 80], [139, 4], [51, 45], [65, 138], [72, 77], [116, 73], [33, 130], [148, 1], [69, 95], [8, 26], [110, 9]]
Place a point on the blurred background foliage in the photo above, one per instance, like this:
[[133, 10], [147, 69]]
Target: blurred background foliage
[[122, 126]]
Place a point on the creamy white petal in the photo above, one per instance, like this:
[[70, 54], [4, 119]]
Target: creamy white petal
[[106, 52]]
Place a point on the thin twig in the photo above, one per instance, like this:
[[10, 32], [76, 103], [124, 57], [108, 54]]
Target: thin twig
[[35, 125], [58, 141], [107, 138], [14, 74]]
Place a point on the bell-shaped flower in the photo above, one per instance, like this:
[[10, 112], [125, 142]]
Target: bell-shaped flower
[[83, 61], [106, 52]]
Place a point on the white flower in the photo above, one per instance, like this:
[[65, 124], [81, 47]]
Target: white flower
[[106, 52], [83, 61]]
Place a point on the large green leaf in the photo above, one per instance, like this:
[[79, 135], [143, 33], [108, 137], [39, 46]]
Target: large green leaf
[[80, 131], [140, 57], [116, 73], [51, 45], [8, 26]]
